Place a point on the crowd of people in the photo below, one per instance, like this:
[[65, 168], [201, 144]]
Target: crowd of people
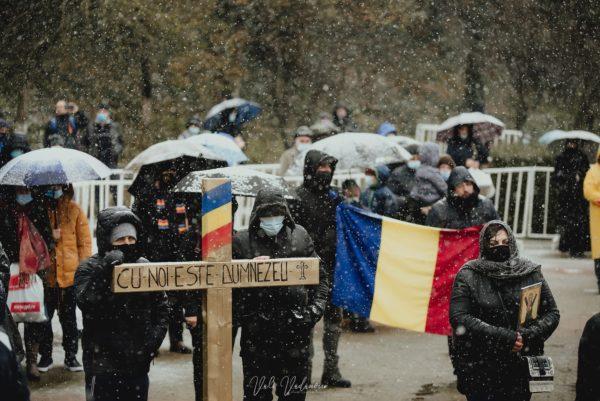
[[122, 333]]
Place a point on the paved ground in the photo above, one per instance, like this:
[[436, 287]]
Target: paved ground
[[391, 364]]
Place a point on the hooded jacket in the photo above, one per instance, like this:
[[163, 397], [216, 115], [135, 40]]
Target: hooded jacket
[[315, 206], [74, 244], [278, 318], [121, 332], [484, 309], [429, 185], [451, 213], [380, 199]]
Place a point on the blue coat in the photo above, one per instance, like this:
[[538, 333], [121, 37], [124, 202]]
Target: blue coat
[[380, 199]]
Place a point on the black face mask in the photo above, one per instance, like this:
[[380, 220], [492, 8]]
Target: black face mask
[[498, 253], [131, 252], [323, 178], [465, 204]]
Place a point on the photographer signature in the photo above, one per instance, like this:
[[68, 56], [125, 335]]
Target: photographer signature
[[289, 384]]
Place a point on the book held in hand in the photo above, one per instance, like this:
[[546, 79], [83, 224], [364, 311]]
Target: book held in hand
[[530, 303]]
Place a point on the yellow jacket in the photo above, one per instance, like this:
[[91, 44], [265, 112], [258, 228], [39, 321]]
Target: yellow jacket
[[591, 191], [74, 245]]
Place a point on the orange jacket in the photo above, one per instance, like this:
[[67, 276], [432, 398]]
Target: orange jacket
[[74, 244]]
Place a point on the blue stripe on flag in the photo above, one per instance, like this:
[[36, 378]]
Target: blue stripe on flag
[[358, 240], [216, 197]]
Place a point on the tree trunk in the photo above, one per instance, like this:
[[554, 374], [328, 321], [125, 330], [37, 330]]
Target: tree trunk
[[474, 86], [22, 103], [146, 86]]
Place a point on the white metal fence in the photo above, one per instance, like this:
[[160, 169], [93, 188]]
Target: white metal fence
[[522, 197]]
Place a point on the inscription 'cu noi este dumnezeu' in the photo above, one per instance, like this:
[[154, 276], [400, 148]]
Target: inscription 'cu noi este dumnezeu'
[[139, 277]]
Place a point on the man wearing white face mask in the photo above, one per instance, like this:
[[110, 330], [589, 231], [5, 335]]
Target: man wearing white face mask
[[276, 322], [192, 128], [302, 141]]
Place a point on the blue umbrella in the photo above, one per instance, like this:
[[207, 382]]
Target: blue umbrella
[[231, 113], [222, 146], [52, 166]]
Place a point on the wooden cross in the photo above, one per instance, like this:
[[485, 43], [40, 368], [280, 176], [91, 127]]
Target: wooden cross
[[217, 274]]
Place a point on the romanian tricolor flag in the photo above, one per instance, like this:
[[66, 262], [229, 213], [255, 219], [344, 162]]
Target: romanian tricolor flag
[[397, 273]]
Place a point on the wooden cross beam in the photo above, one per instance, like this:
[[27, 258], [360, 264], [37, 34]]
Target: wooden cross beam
[[217, 274]]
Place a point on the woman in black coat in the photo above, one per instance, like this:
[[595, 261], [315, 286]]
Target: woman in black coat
[[572, 215], [484, 310]]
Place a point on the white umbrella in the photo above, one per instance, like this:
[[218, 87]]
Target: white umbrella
[[52, 166], [484, 182], [485, 127], [220, 145], [244, 181], [356, 150], [559, 135], [170, 150], [403, 140]]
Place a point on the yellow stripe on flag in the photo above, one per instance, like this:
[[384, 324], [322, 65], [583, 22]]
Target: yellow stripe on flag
[[216, 218], [405, 269]]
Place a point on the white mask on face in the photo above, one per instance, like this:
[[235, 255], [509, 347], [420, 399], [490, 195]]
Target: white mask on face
[[371, 181], [272, 225], [302, 146], [464, 136]]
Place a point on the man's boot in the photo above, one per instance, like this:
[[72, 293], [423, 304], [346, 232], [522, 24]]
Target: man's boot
[[31, 355], [597, 270], [331, 372]]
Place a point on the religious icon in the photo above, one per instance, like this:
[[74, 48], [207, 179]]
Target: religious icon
[[530, 303]]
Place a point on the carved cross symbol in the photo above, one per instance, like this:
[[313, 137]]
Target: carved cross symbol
[[302, 267]]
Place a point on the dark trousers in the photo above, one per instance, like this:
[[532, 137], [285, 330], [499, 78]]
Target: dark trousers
[[63, 301], [176, 319], [263, 371], [597, 271], [119, 388], [197, 359], [332, 319]]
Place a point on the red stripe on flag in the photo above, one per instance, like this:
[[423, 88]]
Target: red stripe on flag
[[455, 248], [216, 239]]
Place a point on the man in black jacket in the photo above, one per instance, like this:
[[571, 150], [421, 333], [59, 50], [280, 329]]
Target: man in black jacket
[[276, 322], [314, 208], [170, 222], [121, 332], [462, 207], [588, 367]]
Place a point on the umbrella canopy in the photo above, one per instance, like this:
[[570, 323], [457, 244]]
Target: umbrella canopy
[[52, 166], [559, 135], [233, 112], [356, 150], [404, 140], [485, 127], [221, 146], [244, 181], [170, 150]]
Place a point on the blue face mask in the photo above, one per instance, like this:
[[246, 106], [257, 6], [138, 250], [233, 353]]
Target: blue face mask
[[271, 225], [23, 199], [194, 130], [445, 174], [15, 153], [54, 193], [102, 118], [414, 164]]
